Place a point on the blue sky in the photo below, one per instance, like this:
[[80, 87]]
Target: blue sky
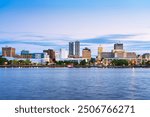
[[41, 24]]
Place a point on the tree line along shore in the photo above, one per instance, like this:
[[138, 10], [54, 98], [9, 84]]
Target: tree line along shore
[[114, 64]]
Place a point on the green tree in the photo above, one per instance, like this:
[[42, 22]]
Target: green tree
[[143, 62], [14, 62], [92, 60], [148, 63], [27, 62], [21, 62], [59, 62], [83, 62], [3, 61], [120, 62]]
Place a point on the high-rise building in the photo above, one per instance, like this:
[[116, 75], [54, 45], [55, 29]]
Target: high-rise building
[[118, 51], [51, 54], [86, 53], [74, 49], [8, 51], [63, 53], [118, 46], [77, 49], [71, 49], [100, 50]]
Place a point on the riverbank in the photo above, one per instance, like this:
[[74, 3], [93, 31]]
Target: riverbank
[[63, 66]]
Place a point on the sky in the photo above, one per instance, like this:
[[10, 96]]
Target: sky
[[36, 25]]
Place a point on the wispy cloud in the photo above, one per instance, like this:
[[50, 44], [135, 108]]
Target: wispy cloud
[[112, 38], [132, 42]]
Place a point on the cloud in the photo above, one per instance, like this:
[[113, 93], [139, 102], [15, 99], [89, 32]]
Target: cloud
[[109, 38], [32, 41], [31, 38], [139, 43]]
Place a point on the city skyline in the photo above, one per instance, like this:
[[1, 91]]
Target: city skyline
[[41, 25]]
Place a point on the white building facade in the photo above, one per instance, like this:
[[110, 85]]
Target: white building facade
[[63, 53]]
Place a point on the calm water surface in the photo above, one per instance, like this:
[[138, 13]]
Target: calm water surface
[[74, 83]]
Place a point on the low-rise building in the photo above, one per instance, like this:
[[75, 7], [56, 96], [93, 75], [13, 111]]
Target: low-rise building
[[146, 56], [107, 55], [51, 54]]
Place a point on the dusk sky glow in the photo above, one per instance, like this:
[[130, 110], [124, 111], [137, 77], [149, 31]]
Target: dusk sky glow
[[36, 25]]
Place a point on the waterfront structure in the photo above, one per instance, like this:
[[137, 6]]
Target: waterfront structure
[[75, 59], [63, 53], [86, 53], [37, 55], [107, 55], [40, 58], [8, 52], [131, 55], [118, 46], [117, 53], [37, 58], [100, 50], [25, 52], [139, 60], [51, 54], [74, 49], [57, 55], [25, 56], [146, 56], [71, 49], [77, 49]]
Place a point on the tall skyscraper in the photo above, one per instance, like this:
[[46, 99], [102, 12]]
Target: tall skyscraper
[[8, 51], [74, 49], [71, 49], [77, 48]]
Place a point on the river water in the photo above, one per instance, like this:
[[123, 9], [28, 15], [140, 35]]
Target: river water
[[74, 84]]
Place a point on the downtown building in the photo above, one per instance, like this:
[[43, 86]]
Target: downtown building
[[146, 57], [74, 49], [118, 52], [74, 53], [51, 54], [8, 52], [86, 53], [63, 53], [37, 58]]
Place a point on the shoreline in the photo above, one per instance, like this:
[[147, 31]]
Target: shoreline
[[58, 66]]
